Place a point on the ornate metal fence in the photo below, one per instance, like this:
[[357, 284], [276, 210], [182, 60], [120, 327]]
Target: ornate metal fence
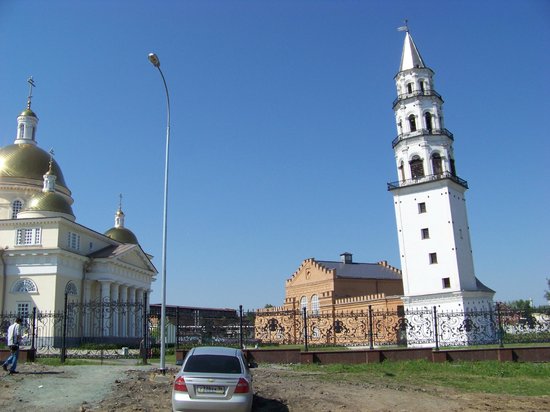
[[422, 328]]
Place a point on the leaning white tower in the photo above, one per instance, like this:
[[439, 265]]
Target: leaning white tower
[[429, 200]]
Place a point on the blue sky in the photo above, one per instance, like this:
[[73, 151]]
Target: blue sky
[[281, 129]]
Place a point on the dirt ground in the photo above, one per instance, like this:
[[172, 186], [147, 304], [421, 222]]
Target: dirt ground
[[127, 387]]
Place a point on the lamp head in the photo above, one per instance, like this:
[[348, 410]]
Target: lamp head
[[154, 60]]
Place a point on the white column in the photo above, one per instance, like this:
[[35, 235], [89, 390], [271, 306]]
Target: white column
[[115, 320], [126, 312], [132, 314], [105, 300], [86, 299]]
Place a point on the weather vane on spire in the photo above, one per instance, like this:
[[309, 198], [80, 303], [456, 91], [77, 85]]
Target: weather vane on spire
[[405, 27], [31, 85]]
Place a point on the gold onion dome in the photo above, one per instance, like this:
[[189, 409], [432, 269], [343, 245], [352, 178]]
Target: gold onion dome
[[122, 235], [49, 202], [28, 112], [27, 161]]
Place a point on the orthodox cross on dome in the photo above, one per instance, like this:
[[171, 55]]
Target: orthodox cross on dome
[[31, 85], [405, 27], [51, 152], [49, 177]]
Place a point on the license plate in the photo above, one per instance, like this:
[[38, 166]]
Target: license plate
[[218, 390]]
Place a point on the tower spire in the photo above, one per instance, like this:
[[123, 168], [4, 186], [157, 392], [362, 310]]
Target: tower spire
[[410, 57], [119, 215], [49, 177], [27, 120]]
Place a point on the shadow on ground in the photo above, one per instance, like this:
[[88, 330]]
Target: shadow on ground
[[268, 405]]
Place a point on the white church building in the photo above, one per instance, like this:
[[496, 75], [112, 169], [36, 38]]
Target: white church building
[[429, 200], [46, 255]]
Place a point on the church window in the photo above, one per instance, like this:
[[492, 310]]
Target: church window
[[315, 304], [423, 85], [417, 168], [16, 207], [422, 207], [28, 236], [23, 311], [425, 233], [409, 87], [21, 131], [433, 258], [412, 123], [33, 133], [428, 120], [74, 241], [303, 303], [24, 286], [70, 289], [437, 166], [453, 168], [446, 283]]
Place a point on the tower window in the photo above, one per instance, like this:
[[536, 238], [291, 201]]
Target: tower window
[[412, 123], [417, 168], [422, 86], [401, 171], [16, 207], [21, 131], [409, 87], [422, 207], [453, 168], [433, 258], [428, 120], [425, 233], [437, 166], [446, 283]]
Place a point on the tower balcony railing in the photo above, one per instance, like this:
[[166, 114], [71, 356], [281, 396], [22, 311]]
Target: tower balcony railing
[[416, 93], [421, 132], [428, 178]]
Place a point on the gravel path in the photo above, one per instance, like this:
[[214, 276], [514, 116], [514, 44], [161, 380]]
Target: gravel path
[[61, 389]]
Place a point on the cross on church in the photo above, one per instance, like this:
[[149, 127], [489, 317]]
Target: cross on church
[[31, 85]]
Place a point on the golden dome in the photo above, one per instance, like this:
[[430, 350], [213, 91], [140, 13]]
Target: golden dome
[[49, 202], [122, 235], [28, 112], [28, 161]]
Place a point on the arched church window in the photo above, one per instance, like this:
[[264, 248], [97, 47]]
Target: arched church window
[[24, 286], [303, 303], [437, 164], [21, 131], [315, 304], [428, 120], [70, 289], [417, 168], [409, 87], [16, 207], [412, 122]]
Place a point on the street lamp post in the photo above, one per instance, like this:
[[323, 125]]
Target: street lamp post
[[156, 62]]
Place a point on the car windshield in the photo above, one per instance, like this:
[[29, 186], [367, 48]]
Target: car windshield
[[212, 364]]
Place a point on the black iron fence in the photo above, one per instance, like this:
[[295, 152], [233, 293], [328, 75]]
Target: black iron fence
[[121, 329]]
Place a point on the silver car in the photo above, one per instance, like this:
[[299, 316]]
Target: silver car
[[213, 379]]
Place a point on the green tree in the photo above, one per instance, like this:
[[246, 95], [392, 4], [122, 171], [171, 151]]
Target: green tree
[[547, 293]]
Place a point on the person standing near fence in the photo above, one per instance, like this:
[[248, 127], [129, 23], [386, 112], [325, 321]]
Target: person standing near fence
[[14, 338]]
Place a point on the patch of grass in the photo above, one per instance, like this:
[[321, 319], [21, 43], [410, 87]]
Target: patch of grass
[[70, 362], [526, 379]]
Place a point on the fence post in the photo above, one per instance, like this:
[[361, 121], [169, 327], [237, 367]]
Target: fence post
[[33, 333], [371, 337], [436, 333], [305, 328], [145, 345], [177, 327], [500, 328], [63, 339], [241, 326]]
